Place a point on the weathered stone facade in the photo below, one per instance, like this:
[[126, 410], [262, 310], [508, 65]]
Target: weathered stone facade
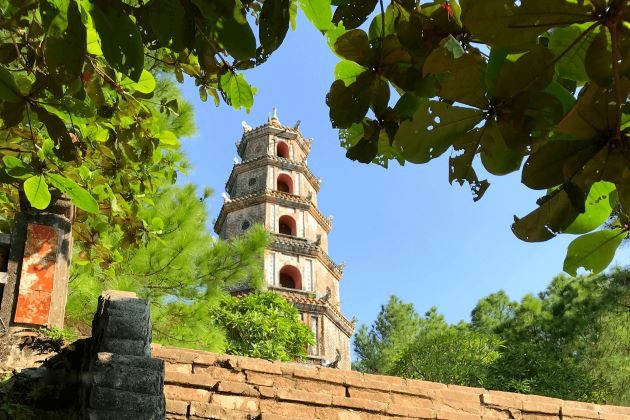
[[201, 385], [274, 187]]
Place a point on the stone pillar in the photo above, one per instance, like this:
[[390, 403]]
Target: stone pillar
[[38, 265]]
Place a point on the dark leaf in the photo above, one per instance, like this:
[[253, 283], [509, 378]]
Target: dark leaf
[[353, 13], [273, 24]]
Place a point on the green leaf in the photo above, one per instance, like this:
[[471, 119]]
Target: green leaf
[[168, 22], [93, 42], [273, 23], [593, 251], [121, 41], [571, 65], [461, 79], [554, 214], [54, 15], [496, 156], [65, 54], [15, 168], [168, 138], [9, 91], [528, 72], [433, 129], [348, 71], [238, 92], [354, 46], [597, 58], [146, 83], [58, 132], [545, 167], [319, 12], [353, 13], [79, 196], [36, 190], [599, 205]]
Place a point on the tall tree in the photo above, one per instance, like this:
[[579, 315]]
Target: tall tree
[[395, 327], [181, 269]]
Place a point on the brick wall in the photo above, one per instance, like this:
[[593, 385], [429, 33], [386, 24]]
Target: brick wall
[[202, 385]]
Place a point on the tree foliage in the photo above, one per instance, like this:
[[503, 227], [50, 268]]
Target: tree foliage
[[262, 325], [572, 341], [498, 83], [181, 269]]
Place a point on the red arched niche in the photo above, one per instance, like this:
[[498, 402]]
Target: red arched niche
[[284, 183], [282, 150], [287, 225], [290, 277]]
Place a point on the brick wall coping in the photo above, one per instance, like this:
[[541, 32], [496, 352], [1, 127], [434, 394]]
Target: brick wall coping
[[207, 385]]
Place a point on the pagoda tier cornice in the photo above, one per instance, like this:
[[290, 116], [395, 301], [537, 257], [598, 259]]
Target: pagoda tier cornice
[[271, 160], [275, 197], [308, 302], [301, 246], [305, 302], [277, 130]]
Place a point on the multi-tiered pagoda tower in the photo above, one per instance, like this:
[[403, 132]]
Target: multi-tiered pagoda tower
[[274, 187]]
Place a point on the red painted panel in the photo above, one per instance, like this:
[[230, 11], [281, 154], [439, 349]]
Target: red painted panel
[[38, 275]]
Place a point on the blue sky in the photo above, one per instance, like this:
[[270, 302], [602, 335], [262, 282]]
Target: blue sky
[[402, 231]]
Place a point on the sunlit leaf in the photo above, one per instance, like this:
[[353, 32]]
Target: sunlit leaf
[[79, 196], [36, 190], [593, 251]]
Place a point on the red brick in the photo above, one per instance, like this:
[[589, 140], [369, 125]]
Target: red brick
[[579, 412], [176, 407], [303, 396], [286, 409], [394, 381], [466, 401], [359, 403], [614, 409], [219, 373], [267, 391], [503, 400], [470, 389], [172, 355], [411, 400], [235, 402], [410, 411], [455, 415], [181, 393], [185, 368], [306, 373], [417, 383], [259, 365], [259, 379], [320, 387], [367, 394], [539, 407], [200, 381], [206, 410], [239, 388]]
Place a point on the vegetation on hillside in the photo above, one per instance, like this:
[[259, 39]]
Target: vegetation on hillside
[[572, 341]]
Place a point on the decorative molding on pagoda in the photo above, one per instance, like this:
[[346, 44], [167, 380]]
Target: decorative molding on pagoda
[[306, 302], [278, 130], [301, 246], [272, 160], [275, 197]]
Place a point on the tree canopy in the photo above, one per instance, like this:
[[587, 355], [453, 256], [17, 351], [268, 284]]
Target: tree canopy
[[578, 327], [497, 82]]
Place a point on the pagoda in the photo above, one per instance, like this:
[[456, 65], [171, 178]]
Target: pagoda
[[273, 186]]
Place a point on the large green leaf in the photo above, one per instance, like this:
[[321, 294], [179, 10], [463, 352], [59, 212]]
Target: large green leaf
[[461, 163], [506, 23], [9, 91], [146, 83], [16, 168], [353, 13], [354, 46], [273, 23], [36, 190], [554, 214], [599, 204], [348, 71], [120, 37], [593, 251], [530, 71], [433, 129], [319, 12], [65, 54], [239, 93], [168, 22], [79, 196], [54, 15], [496, 156], [571, 64]]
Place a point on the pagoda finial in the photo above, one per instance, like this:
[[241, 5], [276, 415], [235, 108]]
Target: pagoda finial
[[273, 120], [275, 113]]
